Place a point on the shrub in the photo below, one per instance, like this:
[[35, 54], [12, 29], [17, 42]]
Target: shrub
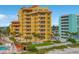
[[12, 39], [72, 40], [31, 48], [1, 43], [60, 47], [57, 41]]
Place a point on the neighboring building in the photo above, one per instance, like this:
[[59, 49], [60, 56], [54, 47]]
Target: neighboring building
[[33, 20], [68, 23], [14, 27], [55, 29], [55, 32]]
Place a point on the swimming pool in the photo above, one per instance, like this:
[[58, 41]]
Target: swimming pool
[[4, 48]]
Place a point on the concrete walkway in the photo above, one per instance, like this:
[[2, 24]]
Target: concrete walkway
[[58, 44], [65, 51]]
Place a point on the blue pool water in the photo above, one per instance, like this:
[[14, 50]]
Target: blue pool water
[[4, 48]]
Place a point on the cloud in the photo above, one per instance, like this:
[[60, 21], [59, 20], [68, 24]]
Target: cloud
[[5, 20], [3, 17]]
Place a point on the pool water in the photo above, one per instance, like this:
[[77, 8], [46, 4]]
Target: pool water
[[4, 48]]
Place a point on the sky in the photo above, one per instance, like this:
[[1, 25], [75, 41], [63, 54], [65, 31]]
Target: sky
[[8, 13]]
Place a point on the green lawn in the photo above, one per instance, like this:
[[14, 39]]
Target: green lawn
[[43, 44], [47, 43]]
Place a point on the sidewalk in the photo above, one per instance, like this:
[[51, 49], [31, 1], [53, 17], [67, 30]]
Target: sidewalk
[[57, 44]]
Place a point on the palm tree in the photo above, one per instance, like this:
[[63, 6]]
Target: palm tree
[[71, 36], [68, 34]]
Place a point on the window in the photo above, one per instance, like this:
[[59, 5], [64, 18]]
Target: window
[[28, 18], [48, 14], [64, 16], [64, 28], [43, 34], [64, 22], [42, 25], [42, 13], [42, 29], [16, 29], [28, 29], [64, 25], [48, 17], [42, 22], [28, 33], [28, 22], [28, 26], [33, 14], [42, 17], [48, 22]]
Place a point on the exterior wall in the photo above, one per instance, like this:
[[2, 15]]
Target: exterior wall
[[72, 25], [14, 27], [55, 29], [35, 20]]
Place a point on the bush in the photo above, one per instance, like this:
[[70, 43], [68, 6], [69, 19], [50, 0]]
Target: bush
[[1, 43], [72, 40], [48, 41], [31, 48], [61, 47], [57, 41], [12, 39]]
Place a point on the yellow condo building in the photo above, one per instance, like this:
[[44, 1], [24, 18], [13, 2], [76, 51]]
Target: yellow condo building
[[34, 23]]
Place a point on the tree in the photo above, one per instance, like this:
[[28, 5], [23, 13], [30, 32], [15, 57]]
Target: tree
[[71, 38], [68, 34], [0, 35], [12, 39], [0, 30], [32, 48], [73, 33], [7, 31]]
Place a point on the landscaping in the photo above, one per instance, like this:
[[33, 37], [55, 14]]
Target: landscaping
[[44, 43], [47, 43], [43, 51]]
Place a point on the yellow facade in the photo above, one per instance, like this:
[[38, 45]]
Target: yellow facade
[[14, 27], [34, 20]]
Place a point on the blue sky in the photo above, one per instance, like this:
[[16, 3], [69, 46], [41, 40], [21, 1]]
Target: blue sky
[[9, 13]]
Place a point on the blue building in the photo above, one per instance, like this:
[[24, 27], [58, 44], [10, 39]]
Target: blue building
[[69, 23]]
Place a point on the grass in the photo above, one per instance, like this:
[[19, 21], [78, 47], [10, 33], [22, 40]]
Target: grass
[[74, 46], [57, 41], [43, 44], [47, 43], [43, 51], [46, 50]]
